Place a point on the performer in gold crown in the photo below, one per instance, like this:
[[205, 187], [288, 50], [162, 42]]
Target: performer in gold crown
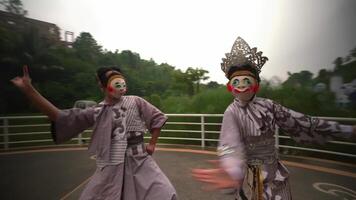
[[248, 158]]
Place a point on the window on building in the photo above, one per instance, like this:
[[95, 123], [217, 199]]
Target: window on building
[[11, 22], [52, 30]]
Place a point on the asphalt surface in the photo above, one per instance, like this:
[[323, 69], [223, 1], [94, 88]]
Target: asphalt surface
[[62, 174]]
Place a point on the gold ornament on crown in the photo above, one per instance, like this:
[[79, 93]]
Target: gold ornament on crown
[[241, 54]]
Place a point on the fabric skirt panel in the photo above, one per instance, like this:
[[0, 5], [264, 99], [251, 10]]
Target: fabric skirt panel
[[274, 190], [138, 178], [106, 183], [281, 190], [149, 182]]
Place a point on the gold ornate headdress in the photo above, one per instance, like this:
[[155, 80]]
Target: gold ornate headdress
[[241, 54]]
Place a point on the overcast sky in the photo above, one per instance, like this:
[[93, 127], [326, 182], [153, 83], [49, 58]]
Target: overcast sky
[[294, 34]]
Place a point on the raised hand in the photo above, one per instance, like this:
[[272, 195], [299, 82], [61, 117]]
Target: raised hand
[[41, 103], [24, 81], [217, 178]]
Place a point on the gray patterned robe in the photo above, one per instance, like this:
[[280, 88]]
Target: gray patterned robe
[[124, 169], [247, 140]]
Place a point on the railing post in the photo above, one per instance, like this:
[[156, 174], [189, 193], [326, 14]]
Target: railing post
[[80, 141], [6, 134], [276, 137], [202, 121]]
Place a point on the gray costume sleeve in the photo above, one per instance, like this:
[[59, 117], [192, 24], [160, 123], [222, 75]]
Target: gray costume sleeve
[[231, 148], [305, 129], [70, 123], [152, 116]]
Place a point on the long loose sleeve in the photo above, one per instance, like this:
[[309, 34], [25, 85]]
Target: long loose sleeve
[[152, 116], [306, 129], [231, 148], [70, 123]]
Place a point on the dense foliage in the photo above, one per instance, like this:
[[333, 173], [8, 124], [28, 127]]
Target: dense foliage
[[64, 73]]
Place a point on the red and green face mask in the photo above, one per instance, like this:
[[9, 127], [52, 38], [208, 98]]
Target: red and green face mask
[[116, 86], [241, 84], [243, 87]]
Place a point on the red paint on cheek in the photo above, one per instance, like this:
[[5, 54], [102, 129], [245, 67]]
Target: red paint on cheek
[[255, 88], [229, 87], [110, 89]]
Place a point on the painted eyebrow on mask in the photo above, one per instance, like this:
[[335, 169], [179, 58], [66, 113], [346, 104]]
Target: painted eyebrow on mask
[[247, 80]]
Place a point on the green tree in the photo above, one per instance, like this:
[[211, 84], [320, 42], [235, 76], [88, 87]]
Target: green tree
[[212, 85], [181, 85], [338, 63], [87, 47], [155, 99], [13, 6], [323, 77], [300, 79], [129, 58], [211, 101], [196, 76]]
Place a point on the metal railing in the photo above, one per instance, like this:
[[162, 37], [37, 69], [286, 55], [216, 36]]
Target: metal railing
[[198, 129]]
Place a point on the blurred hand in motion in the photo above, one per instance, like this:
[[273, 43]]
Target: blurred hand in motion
[[216, 178], [24, 81]]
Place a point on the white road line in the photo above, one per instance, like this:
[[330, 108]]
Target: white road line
[[75, 189]]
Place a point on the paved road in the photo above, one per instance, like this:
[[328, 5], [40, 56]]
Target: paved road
[[56, 174]]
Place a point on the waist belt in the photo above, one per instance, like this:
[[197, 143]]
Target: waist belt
[[262, 160], [138, 149], [135, 140]]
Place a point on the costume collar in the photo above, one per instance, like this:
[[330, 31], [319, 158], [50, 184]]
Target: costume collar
[[254, 112], [243, 103], [106, 103], [101, 138]]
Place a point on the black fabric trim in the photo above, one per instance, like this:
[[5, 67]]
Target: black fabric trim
[[242, 195], [135, 140], [53, 132]]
